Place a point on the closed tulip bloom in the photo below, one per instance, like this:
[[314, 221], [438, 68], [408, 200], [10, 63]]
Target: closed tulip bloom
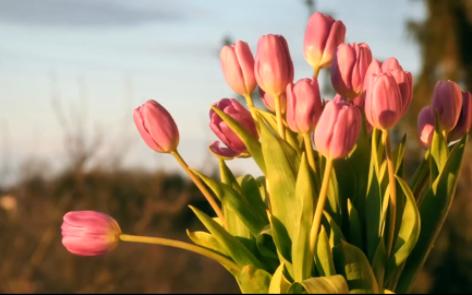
[[403, 79], [89, 233], [338, 128], [322, 35], [383, 103], [235, 147], [156, 126], [447, 103], [303, 105], [464, 123], [426, 126], [269, 102], [237, 63], [348, 69], [273, 65]]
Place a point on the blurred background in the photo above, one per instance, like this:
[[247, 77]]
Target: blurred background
[[71, 72]]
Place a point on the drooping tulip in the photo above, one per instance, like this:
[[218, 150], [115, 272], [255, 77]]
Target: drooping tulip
[[273, 65], [425, 126], [383, 103], [237, 64], [447, 103], [322, 35], [348, 69], [303, 105], [89, 233], [338, 128], [464, 124], [235, 147], [156, 126]]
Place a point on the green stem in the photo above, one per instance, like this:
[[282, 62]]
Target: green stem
[[309, 151], [250, 105], [208, 196], [316, 72], [320, 205], [392, 190], [180, 245], [278, 113]]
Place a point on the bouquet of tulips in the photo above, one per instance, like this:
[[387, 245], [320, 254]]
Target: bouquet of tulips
[[332, 211]]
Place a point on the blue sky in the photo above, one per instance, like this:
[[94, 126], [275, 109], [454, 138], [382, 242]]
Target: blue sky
[[101, 58]]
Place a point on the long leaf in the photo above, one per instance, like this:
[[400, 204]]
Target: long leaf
[[253, 280], [321, 285]]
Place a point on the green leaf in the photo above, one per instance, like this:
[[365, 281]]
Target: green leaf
[[266, 249], [251, 143], [321, 285], [226, 176], [251, 191], [355, 266], [253, 280], [229, 244], [323, 256], [433, 212], [374, 214], [206, 240], [379, 262], [279, 283], [282, 241], [355, 229], [334, 200], [410, 226], [302, 259], [439, 148], [281, 163], [291, 138], [236, 203]]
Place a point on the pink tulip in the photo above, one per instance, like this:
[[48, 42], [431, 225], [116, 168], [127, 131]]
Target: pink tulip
[[322, 35], [89, 233], [447, 102], [234, 145], [156, 126], [237, 63], [273, 65], [269, 102], [349, 67], [338, 128], [402, 78], [426, 126], [383, 103], [303, 105], [464, 123]]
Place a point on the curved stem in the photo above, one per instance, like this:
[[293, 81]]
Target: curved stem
[[392, 190], [309, 151], [208, 196], [180, 245], [278, 114], [320, 205]]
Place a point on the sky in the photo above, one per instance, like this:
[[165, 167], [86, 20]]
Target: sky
[[94, 61]]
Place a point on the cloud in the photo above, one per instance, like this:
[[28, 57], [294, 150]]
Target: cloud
[[85, 12]]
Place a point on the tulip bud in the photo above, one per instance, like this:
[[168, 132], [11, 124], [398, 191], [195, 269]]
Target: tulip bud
[[322, 35], [383, 102], [89, 233], [303, 105], [426, 126], [156, 126], [237, 63], [338, 128], [273, 65], [464, 123], [348, 69], [447, 102], [269, 102], [236, 111], [402, 78]]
